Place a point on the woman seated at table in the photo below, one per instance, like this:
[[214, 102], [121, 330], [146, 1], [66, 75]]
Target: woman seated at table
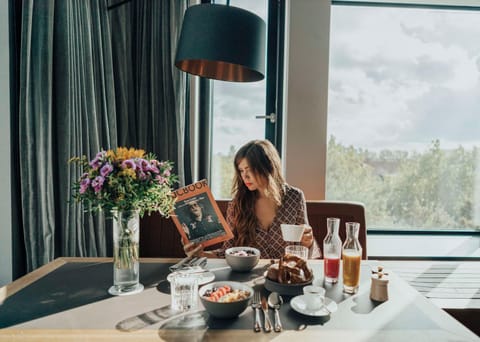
[[262, 200]]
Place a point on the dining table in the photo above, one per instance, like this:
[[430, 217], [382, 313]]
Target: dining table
[[67, 300]]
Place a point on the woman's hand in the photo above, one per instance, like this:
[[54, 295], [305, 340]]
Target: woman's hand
[[193, 249], [307, 237]]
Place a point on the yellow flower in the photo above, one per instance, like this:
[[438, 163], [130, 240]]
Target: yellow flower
[[128, 173], [122, 153]]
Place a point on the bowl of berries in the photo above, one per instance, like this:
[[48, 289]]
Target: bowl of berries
[[242, 259], [225, 299]]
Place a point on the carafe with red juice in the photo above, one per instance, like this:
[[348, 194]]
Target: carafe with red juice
[[332, 250]]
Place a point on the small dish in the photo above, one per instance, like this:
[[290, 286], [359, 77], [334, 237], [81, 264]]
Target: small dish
[[203, 276], [242, 259], [299, 304]]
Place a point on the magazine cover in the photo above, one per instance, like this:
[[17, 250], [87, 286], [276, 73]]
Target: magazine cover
[[197, 216]]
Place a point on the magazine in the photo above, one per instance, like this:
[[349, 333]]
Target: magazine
[[197, 216]]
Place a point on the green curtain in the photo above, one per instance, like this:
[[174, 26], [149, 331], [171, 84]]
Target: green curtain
[[90, 78]]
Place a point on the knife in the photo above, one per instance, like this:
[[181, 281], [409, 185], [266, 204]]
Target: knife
[[267, 324]]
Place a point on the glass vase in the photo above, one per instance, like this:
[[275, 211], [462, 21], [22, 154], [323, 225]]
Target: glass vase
[[126, 266]]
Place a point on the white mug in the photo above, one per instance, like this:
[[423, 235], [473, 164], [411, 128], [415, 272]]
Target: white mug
[[292, 232], [315, 296]]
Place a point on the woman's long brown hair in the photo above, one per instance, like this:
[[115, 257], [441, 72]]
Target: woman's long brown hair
[[264, 163]]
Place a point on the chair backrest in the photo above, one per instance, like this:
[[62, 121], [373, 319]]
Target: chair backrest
[[319, 211], [160, 238]]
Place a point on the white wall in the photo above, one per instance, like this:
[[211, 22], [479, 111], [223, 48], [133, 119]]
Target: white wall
[[5, 199], [306, 97]]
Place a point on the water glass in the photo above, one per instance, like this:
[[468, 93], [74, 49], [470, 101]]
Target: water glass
[[298, 250], [184, 292]]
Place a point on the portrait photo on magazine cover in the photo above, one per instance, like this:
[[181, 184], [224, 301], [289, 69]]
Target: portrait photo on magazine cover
[[198, 219], [197, 216]]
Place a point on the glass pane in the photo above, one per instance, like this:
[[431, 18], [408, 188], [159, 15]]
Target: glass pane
[[403, 119], [234, 108]]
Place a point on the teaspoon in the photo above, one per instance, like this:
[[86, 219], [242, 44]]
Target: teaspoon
[[275, 301]]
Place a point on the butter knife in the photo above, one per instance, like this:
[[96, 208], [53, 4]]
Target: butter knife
[[267, 323]]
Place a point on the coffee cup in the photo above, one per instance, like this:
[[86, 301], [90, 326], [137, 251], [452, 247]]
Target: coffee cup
[[292, 232], [314, 297]]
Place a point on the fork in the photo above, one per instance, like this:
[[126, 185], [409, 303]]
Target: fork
[[256, 307]]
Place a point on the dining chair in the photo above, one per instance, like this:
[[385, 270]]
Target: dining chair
[[319, 211], [160, 238]]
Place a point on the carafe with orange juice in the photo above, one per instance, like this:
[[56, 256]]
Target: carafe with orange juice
[[332, 250], [351, 256]]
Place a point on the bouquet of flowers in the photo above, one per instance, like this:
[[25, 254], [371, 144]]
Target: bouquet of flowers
[[126, 180], [125, 183]]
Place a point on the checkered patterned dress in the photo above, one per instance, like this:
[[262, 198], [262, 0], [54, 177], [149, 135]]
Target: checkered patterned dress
[[270, 241]]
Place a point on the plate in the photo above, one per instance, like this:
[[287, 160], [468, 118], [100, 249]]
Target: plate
[[285, 289], [202, 276], [299, 304]]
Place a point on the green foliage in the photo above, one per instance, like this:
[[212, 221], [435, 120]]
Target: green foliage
[[401, 190]]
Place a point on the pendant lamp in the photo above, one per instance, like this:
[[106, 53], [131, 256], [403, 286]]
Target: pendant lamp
[[222, 42]]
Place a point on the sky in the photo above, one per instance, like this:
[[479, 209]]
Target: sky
[[399, 79]]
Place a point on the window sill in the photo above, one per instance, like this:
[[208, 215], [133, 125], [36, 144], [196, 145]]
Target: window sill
[[431, 247]]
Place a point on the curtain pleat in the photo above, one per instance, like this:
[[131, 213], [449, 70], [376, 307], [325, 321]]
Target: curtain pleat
[[91, 79], [34, 136], [148, 86]]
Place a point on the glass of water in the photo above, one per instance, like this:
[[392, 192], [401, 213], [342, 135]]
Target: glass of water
[[298, 250], [184, 292]]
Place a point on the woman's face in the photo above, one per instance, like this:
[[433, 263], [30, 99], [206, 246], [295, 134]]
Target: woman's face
[[248, 177]]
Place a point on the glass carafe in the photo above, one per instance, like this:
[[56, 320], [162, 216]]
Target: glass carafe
[[332, 250], [351, 256]]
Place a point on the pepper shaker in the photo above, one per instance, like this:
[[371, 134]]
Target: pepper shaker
[[379, 287]]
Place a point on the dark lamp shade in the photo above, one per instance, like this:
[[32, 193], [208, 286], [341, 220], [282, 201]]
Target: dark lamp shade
[[222, 42]]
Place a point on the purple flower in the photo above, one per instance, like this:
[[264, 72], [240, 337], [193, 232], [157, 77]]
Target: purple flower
[[166, 173], [97, 161], [106, 169], [154, 169], [129, 164], [160, 179], [142, 175], [84, 183], [97, 183], [143, 165]]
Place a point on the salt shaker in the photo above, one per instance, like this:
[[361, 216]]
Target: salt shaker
[[379, 287]]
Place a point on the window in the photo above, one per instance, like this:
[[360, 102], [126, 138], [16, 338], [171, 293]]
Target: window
[[235, 106], [403, 117]]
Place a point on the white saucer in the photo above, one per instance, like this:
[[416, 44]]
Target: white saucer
[[202, 276], [299, 304]]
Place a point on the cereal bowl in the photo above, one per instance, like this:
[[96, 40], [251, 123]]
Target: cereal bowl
[[240, 297], [242, 259]]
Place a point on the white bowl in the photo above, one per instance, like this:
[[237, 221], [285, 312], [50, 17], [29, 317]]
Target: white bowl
[[225, 310], [242, 263]]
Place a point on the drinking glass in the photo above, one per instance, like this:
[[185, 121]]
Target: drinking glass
[[184, 292], [298, 250]]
